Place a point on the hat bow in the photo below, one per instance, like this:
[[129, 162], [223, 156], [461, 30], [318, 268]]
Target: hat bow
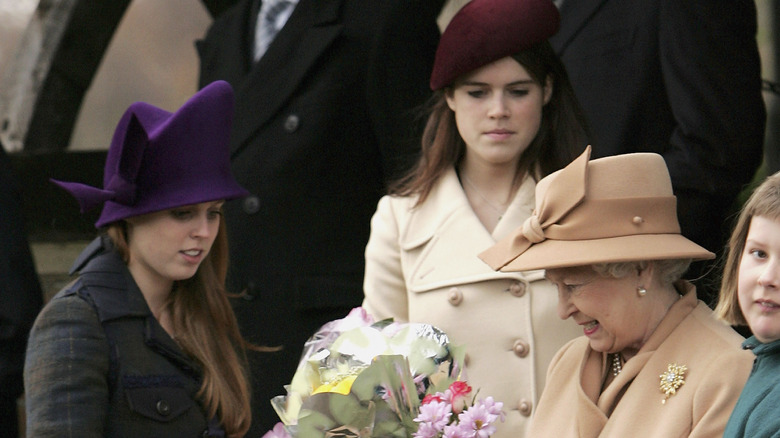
[[561, 197]]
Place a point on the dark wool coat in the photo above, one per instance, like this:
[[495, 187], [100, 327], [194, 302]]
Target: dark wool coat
[[679, 78], [99, 364], [21, 297], [322, 122]]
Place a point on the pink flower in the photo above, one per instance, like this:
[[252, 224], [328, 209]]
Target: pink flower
[[426, 430], [357, 317], [433, 416], [455, 431], [437, 417], [493, 407], [458, 395], [477, 422], [432, 397], [277, 432]]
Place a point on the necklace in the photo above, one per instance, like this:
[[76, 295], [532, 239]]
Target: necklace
[[617, 366], [499, 211]]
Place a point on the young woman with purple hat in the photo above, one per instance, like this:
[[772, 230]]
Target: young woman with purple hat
[[502, 117], [144, 341]]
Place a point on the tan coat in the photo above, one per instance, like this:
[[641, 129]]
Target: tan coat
[[572, 405], [422, 266]]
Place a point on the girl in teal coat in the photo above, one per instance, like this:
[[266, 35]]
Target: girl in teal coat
[[750, 295]]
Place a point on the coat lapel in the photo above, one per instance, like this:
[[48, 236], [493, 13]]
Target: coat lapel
[[574, 15], [157, 339], [310, 30], [445, 225]]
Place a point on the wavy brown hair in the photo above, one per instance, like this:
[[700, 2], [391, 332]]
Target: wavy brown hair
[[562, 136], [206, 328]]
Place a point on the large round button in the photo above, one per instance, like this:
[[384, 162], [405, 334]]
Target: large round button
[[291, 123], [455, 296], [517, 288], [525, 407], [521, 348], [251, 204], [163, 408]]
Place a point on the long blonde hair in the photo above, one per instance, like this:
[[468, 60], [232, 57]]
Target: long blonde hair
[[206, 328]]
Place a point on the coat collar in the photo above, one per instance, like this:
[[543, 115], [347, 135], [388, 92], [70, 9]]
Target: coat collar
[[310, 30], [105, 276], [574, 15], [760, 349], [108, 283], [445, 225]]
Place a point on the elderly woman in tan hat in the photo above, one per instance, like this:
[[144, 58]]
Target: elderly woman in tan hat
[[502, 117], [653, 361]]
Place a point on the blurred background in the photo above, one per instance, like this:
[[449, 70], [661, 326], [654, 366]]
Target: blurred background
[[151, 57]]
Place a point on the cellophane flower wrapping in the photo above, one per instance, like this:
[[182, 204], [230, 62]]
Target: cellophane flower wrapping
[[361, 378]]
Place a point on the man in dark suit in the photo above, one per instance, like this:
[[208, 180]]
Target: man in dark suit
[[20, 296], [680, 78], [324, 119]]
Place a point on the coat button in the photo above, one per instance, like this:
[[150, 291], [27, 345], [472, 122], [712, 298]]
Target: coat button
[[455, 296], [291, 123], [525, 407], [521, 348], [251, 204], [517, 288], [163, 408]]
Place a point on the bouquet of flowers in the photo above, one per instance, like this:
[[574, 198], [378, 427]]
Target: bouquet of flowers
[[360, 378], [447, 414]]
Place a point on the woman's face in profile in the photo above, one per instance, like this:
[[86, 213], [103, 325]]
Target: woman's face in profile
[[498, 111], [608, 309], [169, 245]]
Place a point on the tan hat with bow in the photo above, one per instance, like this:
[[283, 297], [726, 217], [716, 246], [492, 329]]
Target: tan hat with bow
[[613, 209]]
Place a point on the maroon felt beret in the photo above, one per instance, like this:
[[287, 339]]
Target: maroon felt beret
[[484, 31]]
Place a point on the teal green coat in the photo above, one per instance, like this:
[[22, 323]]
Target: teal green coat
[[757, 413]]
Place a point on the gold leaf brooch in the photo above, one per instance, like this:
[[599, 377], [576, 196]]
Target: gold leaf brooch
[[672, 380]]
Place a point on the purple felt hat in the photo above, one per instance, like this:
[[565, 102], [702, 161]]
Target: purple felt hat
[[160, 160], [484, 31]]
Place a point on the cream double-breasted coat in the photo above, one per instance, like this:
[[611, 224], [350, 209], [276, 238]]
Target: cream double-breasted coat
[[422, 266]]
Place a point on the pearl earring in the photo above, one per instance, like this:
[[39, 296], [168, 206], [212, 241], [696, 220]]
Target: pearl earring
[[641, 291]]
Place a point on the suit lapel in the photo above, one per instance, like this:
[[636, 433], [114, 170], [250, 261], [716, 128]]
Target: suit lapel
[[310, 30], [574, 15]]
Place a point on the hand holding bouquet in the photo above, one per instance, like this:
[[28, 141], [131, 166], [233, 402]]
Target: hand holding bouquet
[[360, 378]]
